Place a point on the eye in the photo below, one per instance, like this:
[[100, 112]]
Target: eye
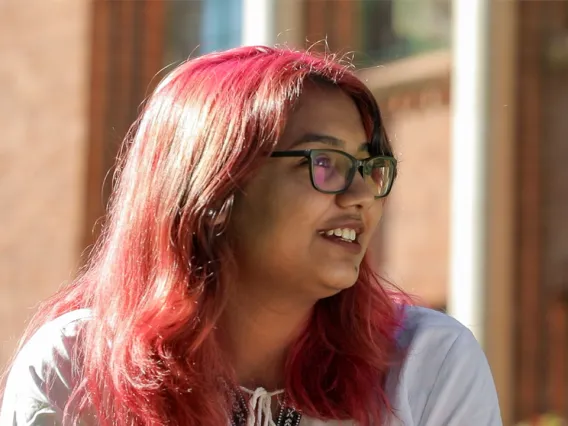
[[322, 160]]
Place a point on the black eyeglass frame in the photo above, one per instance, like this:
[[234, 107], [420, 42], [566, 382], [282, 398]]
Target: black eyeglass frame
[[358, 165]]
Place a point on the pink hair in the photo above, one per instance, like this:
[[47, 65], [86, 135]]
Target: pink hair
[[151, 356]]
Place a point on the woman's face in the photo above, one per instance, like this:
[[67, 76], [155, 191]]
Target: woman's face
[[278, 220]]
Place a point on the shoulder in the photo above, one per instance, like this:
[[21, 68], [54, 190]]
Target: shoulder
[[444, 377], [425, 328], [429, 341], [45, 370], [65, 326], [54, 343]]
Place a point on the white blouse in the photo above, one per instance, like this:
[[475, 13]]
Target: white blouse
[[444, 380]]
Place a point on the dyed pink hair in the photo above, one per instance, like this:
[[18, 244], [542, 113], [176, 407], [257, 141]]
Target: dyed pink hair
[[151, 356]]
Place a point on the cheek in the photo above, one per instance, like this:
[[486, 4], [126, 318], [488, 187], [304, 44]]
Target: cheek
[[250, 221], [374, 216], [256, 218], [279, 214], [278, 224]]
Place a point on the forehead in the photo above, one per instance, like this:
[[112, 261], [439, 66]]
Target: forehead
[[325, 110]]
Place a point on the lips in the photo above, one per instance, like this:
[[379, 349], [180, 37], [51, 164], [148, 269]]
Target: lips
[[346, 234], [348, 230], [352, 246]]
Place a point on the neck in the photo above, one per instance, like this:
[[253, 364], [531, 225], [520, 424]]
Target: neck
[[258, 334]]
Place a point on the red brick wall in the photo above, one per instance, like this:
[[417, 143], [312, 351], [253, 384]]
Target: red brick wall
[[415, 228], [44, 83]]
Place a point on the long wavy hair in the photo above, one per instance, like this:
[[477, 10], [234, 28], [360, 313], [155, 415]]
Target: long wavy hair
[[154, 281]]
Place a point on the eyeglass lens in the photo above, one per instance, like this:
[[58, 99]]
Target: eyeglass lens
[[332, 171]]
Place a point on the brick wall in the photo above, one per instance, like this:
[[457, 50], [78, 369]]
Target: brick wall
[[415, 228], [555, 192], [43, 122], [413, 94]]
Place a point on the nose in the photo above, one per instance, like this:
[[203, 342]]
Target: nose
[[358, 194]]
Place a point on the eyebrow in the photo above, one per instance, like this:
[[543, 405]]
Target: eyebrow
[[328, 140]]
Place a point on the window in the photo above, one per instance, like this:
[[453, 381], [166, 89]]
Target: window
[[201, 26], [379, 30]]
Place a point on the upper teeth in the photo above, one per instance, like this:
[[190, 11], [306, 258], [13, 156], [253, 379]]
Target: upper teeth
[[345, 233]]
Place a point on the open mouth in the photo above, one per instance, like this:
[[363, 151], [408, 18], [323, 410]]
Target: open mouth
[[347, 235]]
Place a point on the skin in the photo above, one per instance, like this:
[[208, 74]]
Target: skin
[[285, 266]]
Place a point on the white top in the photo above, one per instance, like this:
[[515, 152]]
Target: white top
[[444, 380]]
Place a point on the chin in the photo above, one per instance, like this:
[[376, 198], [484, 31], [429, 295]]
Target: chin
[[340, 281]]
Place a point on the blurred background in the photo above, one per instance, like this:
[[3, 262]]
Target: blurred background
[[475, 98]]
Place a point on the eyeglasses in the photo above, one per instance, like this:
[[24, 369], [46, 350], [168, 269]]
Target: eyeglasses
[[332, 171]]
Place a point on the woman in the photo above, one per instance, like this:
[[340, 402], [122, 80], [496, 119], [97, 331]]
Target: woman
[[231, 284]]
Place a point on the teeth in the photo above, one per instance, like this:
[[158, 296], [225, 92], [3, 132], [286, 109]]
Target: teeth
[[344, 233]]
